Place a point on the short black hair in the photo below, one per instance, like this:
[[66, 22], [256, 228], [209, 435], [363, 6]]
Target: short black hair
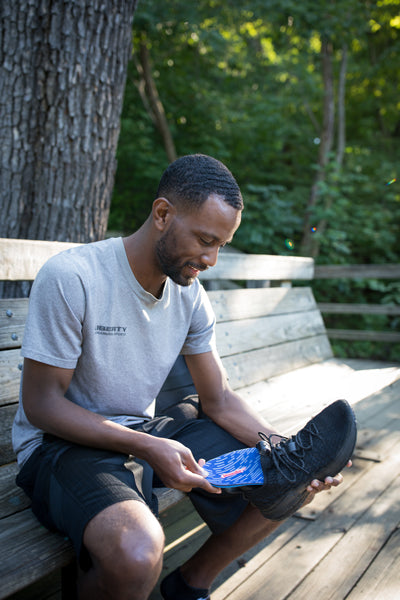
[[191, 179]]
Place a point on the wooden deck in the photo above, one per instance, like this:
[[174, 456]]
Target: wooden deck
[[346, 544]]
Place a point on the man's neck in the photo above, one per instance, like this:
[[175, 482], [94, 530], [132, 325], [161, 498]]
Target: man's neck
[[140, 254]]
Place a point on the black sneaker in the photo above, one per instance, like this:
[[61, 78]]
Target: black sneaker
[[321, 449]]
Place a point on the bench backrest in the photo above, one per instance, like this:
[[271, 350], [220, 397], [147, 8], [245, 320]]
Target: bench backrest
[[261, 331]]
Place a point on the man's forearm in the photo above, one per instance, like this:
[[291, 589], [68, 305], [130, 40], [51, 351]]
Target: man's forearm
[[236, 416], [62, 418]]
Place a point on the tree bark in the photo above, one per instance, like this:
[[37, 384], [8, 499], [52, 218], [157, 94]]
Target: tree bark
[[62, 79]]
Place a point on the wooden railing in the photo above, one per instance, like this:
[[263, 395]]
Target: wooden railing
[[341, 308]]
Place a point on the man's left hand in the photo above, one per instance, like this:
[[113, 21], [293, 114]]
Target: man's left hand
[[321, 486]]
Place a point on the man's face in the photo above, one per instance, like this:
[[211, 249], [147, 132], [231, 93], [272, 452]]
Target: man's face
[[192, 240]]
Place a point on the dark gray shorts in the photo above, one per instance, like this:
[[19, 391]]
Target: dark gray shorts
[[70, 484]]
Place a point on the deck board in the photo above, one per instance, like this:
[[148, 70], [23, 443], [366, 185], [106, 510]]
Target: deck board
[[381, 580], [356, 549]]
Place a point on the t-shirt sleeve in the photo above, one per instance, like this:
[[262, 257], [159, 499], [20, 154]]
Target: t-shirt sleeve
[[53, 332], [201, 335]]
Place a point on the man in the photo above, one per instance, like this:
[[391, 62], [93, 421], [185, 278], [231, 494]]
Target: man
[[106, 323]]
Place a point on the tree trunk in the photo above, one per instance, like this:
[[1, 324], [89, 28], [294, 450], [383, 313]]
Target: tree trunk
[[307, 243], [63, 72], [341, 143], [152, 101]]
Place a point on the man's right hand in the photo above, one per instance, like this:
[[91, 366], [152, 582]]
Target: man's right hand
[[175, 465]]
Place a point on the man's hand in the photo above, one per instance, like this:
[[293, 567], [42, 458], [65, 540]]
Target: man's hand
[[176, 467], [321, 486]]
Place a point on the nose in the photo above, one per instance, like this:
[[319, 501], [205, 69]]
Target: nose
[[210, 257]]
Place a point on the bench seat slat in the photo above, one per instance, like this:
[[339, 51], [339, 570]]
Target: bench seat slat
[[22, 542], [12, 498]]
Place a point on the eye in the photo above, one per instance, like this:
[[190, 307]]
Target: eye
[[205, 242]]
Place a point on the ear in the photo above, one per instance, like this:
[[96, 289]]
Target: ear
[[163, 212]]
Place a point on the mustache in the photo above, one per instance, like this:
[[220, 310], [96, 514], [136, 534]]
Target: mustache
[[197, 267]]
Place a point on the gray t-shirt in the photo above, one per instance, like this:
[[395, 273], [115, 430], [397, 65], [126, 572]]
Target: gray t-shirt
[[88, 312]]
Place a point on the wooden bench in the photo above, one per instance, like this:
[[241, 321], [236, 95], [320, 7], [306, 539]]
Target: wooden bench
[[273, 345]]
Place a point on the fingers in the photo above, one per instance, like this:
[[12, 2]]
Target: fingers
[[206, 485], [193, 476], [193, 480], [327, 484]]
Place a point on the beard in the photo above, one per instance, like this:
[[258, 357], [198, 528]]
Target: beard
[[169, 262]]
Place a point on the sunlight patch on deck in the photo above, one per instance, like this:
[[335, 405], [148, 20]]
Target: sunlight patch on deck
[[184, 537]]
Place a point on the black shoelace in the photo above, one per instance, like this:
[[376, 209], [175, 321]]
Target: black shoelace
[[288, 454]]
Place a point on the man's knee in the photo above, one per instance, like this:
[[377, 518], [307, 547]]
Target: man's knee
[[126, 542]]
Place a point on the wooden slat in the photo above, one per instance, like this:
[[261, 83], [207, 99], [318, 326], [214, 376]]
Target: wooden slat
[[7, 414], [235, 337], [260, 267], [237, 304], [355, 551], [381, 580], [357, 271], [12, 498], [10, 375], [261, 364], [22, 536], [190, 532], [288, 401], [13, 313], [363, 336], [22, 259], [341, 308], [167, 498]]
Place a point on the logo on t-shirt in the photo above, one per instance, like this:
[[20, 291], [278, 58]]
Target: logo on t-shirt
[[110, 330]]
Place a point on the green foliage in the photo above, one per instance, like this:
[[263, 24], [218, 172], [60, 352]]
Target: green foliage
[[244, 84], [269, 223]]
